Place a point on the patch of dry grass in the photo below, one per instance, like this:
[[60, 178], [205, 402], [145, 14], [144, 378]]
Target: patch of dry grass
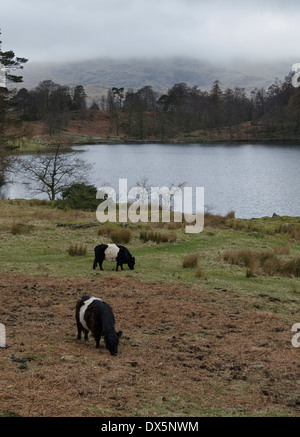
[[116, 235], [190, 261], [157, 237], [293, 230], [122, 235], [105, 230], [282, 250], [20, 228], [218, 221], [77, 249], [266, 262]]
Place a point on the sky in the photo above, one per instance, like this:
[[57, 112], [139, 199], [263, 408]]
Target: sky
[[215, 30]]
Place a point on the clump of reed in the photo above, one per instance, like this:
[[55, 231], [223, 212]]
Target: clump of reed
[[157, 237], [105, 230], [190, 261], [266, 262], [218, 221], [246, 226], [282, 250], [293, 230], [122, 235], [20, 228], [116, 235], [173, 226], [76, 249]]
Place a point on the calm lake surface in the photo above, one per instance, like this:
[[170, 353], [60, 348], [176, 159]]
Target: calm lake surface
[[252, 180]]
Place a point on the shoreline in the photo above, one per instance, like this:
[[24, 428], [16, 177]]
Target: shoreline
[[107, 141], [42, 142]]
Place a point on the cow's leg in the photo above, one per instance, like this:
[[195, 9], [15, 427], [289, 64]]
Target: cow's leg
[[86, 334], [95, 263], [97, 338], [100, 260], [79, 330]]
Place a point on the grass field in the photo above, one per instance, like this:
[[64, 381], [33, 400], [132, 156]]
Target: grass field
[[35, 238], [187, 296]]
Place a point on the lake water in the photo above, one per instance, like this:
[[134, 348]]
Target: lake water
[[252, 180]]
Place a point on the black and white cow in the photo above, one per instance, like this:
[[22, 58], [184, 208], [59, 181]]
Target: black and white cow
[[96, 316], [111, 253]]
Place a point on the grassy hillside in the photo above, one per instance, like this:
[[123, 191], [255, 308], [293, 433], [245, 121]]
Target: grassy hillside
[[206, 318], [36, 238]]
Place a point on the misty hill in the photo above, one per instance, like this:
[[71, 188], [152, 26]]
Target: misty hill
[[98, 75]]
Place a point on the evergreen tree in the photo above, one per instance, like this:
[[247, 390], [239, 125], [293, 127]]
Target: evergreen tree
[[79, 98], [8, 63]]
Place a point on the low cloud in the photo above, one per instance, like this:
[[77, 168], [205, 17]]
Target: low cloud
[[216, 30]]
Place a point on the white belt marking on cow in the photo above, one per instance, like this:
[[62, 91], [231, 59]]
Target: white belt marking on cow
[[83, 310], [111, 252]]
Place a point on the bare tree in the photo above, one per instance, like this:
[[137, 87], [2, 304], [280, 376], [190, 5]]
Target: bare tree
[[53, 172]]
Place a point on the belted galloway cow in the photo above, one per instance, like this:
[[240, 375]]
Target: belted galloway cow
[[113, 253]]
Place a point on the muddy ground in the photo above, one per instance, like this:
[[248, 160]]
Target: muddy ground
[[185, 351]]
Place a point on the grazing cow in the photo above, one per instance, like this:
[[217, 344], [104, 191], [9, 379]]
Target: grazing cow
[[113, 252], [95, 315]]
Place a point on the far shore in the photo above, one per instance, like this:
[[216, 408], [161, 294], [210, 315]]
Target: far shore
[[33, 146]]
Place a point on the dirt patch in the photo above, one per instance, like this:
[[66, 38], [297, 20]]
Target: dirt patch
[[184, 352], [95, 123]]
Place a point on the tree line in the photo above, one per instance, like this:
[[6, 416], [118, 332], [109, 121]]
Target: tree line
[[50, 102], [182, 109]]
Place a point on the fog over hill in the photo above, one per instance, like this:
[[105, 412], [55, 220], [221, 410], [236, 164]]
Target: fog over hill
[[98, 75]]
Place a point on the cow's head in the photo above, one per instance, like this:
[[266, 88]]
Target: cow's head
[[131, 263], [112, 341]]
